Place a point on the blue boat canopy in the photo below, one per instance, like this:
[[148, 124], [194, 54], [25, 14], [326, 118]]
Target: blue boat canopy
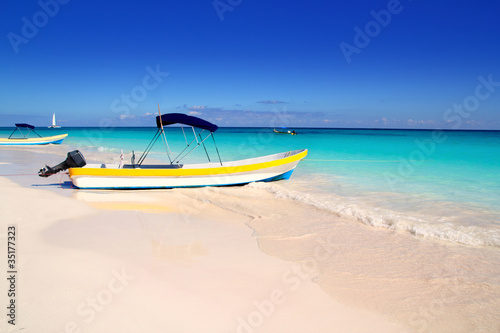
[[25, 125], [180, 118]]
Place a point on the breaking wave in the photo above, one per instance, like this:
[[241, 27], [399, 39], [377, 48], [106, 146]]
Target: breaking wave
[[426, 226]]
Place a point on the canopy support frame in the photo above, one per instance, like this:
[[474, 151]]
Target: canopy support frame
[[149, 147], [186, 120], [24, 135], [217, 149], [198, 144]]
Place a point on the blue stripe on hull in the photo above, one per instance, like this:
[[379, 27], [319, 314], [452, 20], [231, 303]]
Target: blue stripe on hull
[[32, 144], [285, 175]]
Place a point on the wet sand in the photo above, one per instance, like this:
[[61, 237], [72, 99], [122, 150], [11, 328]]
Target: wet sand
[[158, 261]]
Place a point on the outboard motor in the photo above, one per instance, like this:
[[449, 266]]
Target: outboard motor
[[74, 160]]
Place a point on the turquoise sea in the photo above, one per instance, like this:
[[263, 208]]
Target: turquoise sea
[[434, 184]]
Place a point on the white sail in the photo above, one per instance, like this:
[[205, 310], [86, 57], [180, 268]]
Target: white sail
[[54, 122]]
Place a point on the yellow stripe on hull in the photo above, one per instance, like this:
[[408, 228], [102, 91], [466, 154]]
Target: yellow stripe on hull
[[33, 141], [238, 172]]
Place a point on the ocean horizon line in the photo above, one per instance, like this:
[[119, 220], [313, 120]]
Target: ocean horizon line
[[288, 127]]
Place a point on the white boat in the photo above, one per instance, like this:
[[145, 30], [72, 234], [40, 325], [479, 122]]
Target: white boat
[[175, 174], [54, 122], [23, 140], [111, 176]]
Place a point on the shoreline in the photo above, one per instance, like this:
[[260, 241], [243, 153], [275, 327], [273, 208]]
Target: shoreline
[[155, 259]]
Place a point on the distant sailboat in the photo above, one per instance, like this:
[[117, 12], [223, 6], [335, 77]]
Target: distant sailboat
[[54, 122]]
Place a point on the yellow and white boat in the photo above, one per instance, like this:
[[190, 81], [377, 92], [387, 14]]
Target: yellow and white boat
[[23, 140], [141, 176], [266, 168]]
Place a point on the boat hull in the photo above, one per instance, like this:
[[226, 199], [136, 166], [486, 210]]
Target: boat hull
[[287, 132], [56, 139], [266, 168]]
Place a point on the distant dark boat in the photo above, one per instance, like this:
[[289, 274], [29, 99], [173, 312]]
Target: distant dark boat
[[285, 131]]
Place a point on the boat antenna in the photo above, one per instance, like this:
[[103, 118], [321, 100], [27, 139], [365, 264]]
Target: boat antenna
[[164, 138], [157, 135]]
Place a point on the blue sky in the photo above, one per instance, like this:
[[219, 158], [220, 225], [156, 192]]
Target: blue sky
[[399, 64]]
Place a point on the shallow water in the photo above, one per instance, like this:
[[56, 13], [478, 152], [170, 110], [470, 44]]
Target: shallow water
[[424, 284], [435, 184]]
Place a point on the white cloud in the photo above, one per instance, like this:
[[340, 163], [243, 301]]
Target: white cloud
[[126, 116], [196, 107], [271, 102], [194, 113]]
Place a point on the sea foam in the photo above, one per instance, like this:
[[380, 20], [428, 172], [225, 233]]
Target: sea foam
[[426, 226]]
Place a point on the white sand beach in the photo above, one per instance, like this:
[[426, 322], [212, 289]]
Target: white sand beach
[[238, 259], [152, 261]]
